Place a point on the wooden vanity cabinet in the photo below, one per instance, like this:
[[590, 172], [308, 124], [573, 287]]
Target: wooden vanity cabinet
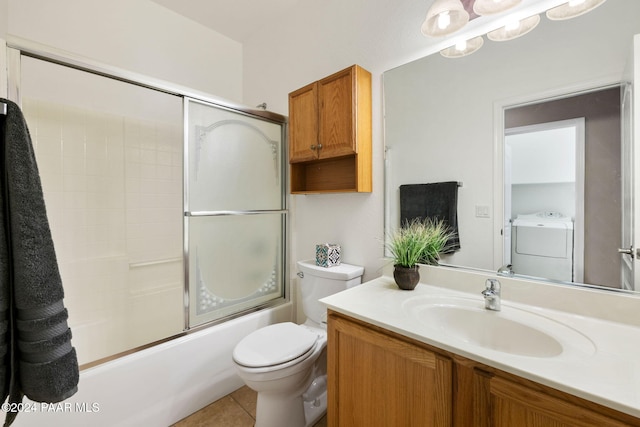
[[375, 379], [501, 402], [330, 134], [379, 378]]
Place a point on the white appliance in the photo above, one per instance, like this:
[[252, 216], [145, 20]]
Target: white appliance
[[286, 363], [542, 245]]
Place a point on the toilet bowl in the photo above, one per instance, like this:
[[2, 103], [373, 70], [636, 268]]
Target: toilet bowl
[[280, 385], [285, 362]]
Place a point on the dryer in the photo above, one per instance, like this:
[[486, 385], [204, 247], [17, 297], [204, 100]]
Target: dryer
[[542, 245]]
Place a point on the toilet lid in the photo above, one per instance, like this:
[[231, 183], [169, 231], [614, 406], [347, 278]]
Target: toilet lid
[[273, 345]]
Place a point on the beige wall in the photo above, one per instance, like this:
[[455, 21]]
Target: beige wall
[[139, 36], [3, 16]]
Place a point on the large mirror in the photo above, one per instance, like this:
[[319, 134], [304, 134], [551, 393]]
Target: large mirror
[[493, 121]]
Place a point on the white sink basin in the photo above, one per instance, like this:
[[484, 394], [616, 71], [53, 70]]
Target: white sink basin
[[511, 330]]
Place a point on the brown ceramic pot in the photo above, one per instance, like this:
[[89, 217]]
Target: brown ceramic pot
[[406, 277]]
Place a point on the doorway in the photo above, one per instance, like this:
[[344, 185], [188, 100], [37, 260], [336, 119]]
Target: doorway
[[601, 110], [544, 184]]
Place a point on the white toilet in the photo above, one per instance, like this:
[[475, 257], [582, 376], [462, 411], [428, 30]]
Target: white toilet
[[286, 363]]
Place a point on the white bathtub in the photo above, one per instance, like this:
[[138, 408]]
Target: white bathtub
[[157, 386]]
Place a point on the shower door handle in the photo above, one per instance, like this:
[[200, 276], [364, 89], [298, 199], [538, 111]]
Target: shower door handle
[[629, 251]]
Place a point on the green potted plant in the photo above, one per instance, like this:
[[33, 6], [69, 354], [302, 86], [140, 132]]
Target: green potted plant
[[417, 242]]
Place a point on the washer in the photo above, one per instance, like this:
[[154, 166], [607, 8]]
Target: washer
[[542, 245]]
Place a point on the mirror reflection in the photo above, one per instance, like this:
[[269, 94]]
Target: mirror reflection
[[475, 120], [562, 183]]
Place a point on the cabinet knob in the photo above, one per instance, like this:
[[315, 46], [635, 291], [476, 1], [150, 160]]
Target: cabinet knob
[[313, 147], [319, 146]]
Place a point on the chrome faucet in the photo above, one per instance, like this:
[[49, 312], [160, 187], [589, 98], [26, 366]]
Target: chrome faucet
[[491, 295], [506, 270]]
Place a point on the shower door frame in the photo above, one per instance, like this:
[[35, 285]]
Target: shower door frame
[[13, 48], [283, 211]]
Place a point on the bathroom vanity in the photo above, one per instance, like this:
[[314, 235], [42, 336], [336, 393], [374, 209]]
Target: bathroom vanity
[[435, 357]]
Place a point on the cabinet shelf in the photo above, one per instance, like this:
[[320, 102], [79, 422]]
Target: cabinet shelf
[[325, 176]]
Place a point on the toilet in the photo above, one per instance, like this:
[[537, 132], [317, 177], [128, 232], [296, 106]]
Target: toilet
[[286, 363]]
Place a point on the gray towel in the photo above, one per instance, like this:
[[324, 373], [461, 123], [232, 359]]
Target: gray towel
[[438, 201], [40, 361]]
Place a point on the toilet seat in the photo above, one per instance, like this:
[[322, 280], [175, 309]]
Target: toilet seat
[[275, 345]]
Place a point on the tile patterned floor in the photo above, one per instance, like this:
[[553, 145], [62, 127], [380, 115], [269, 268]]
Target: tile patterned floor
[[237, 409]]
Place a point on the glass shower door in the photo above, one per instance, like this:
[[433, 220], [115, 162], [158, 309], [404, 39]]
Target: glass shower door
[[235, 212], [110, 157]]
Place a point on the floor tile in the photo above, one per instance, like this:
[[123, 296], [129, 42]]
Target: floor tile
[[225, 412], [322, 422], [237, 409], [247, 399]]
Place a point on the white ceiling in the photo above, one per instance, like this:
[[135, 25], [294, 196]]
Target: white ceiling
[[240, 20], [236, 19]]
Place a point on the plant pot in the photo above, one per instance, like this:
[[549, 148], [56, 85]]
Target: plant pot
[[406, 277]]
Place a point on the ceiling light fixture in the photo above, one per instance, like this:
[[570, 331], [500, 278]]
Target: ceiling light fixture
[[572, 8], [444, 17], [463, 48], [514, 29], [491, 7], [447, 16]]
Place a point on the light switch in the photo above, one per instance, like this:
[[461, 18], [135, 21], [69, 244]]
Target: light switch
[[482, 211]]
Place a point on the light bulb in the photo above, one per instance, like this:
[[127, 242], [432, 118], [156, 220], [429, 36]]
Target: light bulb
[[444, 20], [572, 9], [463, 48], [512, 25]]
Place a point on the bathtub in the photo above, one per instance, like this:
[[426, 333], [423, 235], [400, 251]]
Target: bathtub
[[157, 386]]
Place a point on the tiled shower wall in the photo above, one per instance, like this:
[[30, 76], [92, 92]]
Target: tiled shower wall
[[113, 190]]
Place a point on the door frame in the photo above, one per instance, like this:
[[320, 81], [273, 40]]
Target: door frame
[[579, 156], [632, 77], [500, 106]]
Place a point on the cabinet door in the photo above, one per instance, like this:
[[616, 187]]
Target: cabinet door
[[503, 403], [336, 95], [303, 124], [375, 379]]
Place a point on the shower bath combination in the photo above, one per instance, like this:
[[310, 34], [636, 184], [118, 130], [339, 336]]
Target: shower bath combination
[[172, 208], [142, 245]]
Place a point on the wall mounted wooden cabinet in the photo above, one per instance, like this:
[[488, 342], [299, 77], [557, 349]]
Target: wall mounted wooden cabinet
[[379, 378], [330, 134]]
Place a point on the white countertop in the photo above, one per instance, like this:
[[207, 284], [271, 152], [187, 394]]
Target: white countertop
[[602, 363]]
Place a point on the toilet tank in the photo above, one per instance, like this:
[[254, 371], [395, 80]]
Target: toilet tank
[[318, 282]]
